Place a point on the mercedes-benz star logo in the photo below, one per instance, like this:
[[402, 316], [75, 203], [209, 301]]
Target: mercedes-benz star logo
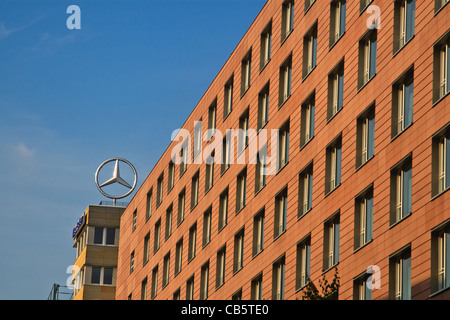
[[116, 178]]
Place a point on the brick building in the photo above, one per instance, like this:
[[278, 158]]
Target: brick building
[[352, 96]]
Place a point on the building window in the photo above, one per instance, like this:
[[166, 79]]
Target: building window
[[177, 295], [209, 175], [260, 169], [305, 189], [184, 158], [400, 275], [169, 214], [238, 259], [287, 19], [144, 289], [207, 217], [283, 146], [237, 295], [367, 58], [309, 51], [197, 137], [178, 256], [258, 232], [246, 68], [241, 186], [404, 22], [280, 213], [402, 103], [337, 20], [266, 46], [226, 152], [439, 4], [220, 273], [365, 136], [192, 242], [212, 118], [331, 242], [363, 218], [132, 262], [134, 222], [159, 194], [361, 289], [308, 4], [181, 206], [440, 257], [243, 132], [285, 81], [278, 279], [146, 248], [363, 4], [166, 269], [335, 91], [263, 107], [190, 288], [194, 189], [171, 178], [154, 282], [204, 281], [102, 275], [105, 236], [256, 288], [333, 165], [303, 263], [440, 169], [148, 210], [401, 190], [223, 209], [441, 68], [228, 98], [157, 235], [307, 119]]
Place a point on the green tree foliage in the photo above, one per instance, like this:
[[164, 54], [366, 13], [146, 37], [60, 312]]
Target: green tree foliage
[[330, 290]]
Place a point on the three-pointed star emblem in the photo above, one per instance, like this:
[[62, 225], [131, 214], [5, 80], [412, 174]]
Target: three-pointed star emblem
[[116, 178]]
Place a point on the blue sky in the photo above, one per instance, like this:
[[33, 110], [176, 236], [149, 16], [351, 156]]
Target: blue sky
[[70, 99]]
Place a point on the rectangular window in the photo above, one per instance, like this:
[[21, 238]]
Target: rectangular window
[[303, 262], [98, 234], [171, 178], [96, 275], [441, 68], [157, 235], [197, 137], [132, 262], [223, 209], [309, 51], [241, 186], [367, 58], [166, 269], [440, 168], [331, 242], [263, 107], [181, 206], [207, 217], [212, 118], [228, 98], [402, 102], [192, 242], [108, 275], [337, 20], [440, 257], [144, 289], [209, 174], [335, 91], [220, 272], [237, 295], [287, 19], [400, 275], [280, 213], [194, 189], [169, 214], [363, 4], [146, 255], [260, 169], [154, 282], [258, 232], [159, 195], [404, 22], [190, 288], [401, 190], [226, 152], [305, 189], [285, 81], [283, 146], [134, 222], [204, 281], [243, 131], [238, 259], [439, 4], [365, 136], [148, 210], [246, 68], [178, 256], [278, 279], [333, 165], [256, 288], [361, 289], [363, 218], [308, 4], [184, 152], [307, 119], [266, 46], [177, 295]]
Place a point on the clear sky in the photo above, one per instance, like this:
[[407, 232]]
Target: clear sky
[[70, 99]]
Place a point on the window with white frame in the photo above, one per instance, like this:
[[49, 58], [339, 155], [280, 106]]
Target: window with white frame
[[331, 242], [337, 20]]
